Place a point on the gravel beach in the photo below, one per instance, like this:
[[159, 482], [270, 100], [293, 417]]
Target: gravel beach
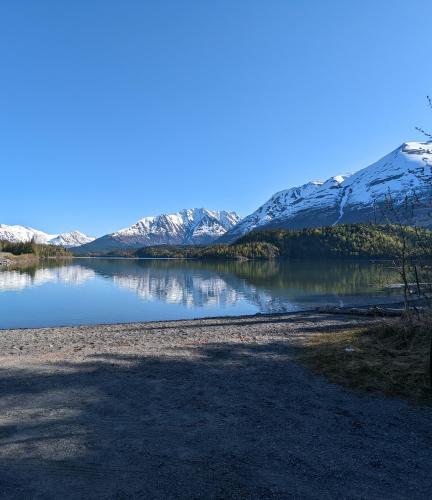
[[209, 408]]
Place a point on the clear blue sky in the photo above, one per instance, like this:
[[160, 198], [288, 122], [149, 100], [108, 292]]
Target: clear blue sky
[[112, 110]]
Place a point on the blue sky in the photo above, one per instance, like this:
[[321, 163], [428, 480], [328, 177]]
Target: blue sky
[[114, 110]]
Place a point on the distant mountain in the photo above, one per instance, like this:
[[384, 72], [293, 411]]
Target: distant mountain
[[72, 239], [352, 198], [193, 226], [17, 234]]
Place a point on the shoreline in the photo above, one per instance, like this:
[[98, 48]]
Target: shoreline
[[9, 261], [221, 405], [346, 311], [160, 321], [244, 259], [154, 335]]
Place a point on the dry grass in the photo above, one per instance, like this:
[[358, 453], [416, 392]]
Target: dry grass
[[391, 357], [22, 260]]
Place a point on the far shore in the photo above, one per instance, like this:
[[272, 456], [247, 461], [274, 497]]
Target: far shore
[[10, 260]]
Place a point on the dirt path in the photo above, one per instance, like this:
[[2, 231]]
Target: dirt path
[[213, 408]]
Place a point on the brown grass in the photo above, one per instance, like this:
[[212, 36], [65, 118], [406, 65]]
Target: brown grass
[[391, 357], [20, 260]]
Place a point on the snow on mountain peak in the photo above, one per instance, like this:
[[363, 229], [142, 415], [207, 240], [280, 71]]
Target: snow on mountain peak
[[187, 226], [341, 177], [19, 234], [417, 147], [348, 197], [71, 239]]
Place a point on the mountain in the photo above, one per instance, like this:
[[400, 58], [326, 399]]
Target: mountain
[[351, 198], [195, 226], [17, 234], [71, 239]]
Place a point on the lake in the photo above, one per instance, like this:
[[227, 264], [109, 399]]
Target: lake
[[100, 290]]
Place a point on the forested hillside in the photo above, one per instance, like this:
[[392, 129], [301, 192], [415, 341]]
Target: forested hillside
[[346, 240], [32, 248], [252, 250], [341, 241]]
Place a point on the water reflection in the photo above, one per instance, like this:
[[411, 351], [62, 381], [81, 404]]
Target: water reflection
[[12, 280], [203, 287], [191, 291]]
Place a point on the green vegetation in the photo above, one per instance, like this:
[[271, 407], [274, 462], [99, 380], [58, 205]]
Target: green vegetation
[[253, 250], [346, 241], [370, 241], [33, 248]]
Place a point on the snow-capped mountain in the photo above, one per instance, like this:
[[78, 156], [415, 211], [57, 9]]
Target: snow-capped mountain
[[17, 234], [186, 227], [71, 239], [350, 198]]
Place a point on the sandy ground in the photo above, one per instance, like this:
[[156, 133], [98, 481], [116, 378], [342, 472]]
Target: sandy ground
[[214, 408]]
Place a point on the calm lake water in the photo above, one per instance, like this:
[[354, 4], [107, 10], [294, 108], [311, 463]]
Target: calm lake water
[[123, 290]]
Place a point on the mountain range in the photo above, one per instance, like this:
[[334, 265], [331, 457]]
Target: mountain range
[[17, 234], [405, 173], [363, 196], [195, 226]]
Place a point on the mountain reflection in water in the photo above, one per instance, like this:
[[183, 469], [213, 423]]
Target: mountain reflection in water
[[97, 288]]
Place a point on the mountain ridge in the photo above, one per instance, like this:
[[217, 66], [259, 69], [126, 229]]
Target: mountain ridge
[[185, 227], [21, 234], [349, 198]]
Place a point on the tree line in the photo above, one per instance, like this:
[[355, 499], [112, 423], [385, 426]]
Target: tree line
[[358, 241], [33, 248]]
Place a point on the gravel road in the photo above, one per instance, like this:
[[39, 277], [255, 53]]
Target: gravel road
[[203, 409]]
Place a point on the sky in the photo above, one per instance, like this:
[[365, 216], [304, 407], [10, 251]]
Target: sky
[[115, 110]]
